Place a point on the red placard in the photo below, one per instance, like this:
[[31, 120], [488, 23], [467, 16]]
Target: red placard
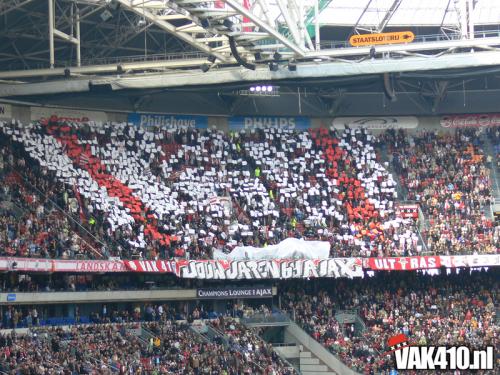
[[408, 210]]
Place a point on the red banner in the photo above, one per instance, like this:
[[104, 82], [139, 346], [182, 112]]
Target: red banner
[[404, 263], [251, 269], [464, 121], [60, 265], [157, 266], [409, 210]]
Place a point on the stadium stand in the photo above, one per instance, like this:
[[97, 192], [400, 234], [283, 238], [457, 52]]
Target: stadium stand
[[167, 192], [449, 176], [455, 309], [249, 187], [163, 347]]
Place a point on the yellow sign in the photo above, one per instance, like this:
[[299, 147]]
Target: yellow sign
[[384, 38]]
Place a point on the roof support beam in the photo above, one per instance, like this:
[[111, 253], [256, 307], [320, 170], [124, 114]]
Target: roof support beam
[[65, 36], [291, 23], [441, 90], [388, 15], [16, 6], [108, 68], [261, 74], [354, 28], [470, 11], [263, 25], [171, 29], [51, 33]]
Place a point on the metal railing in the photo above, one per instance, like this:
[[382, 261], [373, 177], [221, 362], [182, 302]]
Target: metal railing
[[420, 39], [214, 333], [286, 361], [114, 60], [199, 334], [260, 318], [19, 210], [179, 56], [283, 344], [80, 227], [144, 58], [146, 334]]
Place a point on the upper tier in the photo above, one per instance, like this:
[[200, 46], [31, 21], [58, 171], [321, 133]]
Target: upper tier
[[133, 192]]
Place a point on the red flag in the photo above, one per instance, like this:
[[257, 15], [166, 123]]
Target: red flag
[[246, 4], [79, 199]]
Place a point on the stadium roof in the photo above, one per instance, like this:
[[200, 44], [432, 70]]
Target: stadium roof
[[100, 32], [164, 44], [372, 14]]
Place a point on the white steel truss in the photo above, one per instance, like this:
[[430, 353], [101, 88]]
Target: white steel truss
[[85, 37]]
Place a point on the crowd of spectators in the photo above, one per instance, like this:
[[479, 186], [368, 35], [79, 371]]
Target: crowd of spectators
[[247, 341], [31, 225], [149, 193], [168, 348], [457, 309], [448, 175], [278, 182]]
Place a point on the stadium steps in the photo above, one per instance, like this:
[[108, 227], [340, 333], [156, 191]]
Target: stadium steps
[[283, 357], [213, 334], [384, 158], [311, 365], [314, 358], [489, 149], [145, 334], [7, 204], [201, 335], [402, 194], [351, 317]]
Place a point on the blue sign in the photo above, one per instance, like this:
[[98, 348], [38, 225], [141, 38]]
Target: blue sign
[[168, 121], [249, 122], [11, 297]]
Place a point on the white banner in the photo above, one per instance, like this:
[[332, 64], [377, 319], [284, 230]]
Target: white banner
[[376, 123], [473, 121], [483, 260], [70, 115], [290, 248], [60, 265], [269, 269], [5, 111]]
